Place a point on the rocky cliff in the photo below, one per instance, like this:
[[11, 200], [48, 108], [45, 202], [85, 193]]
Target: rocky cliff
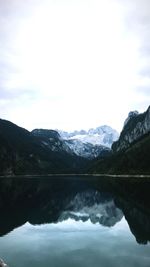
[[135, 126], [131, 152]]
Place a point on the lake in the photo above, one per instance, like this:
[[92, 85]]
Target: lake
[[75, 221]]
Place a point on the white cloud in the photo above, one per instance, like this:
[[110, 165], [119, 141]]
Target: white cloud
[[75, 64]]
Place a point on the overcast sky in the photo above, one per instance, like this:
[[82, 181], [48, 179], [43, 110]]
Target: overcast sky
[[73, 64]]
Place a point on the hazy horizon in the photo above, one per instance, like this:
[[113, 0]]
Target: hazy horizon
[[73, 65]]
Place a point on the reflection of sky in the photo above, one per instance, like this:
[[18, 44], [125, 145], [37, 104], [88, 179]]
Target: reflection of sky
[[72, 244]]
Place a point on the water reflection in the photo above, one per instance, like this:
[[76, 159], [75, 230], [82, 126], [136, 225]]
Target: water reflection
[[74, 221], [94, 206], [74, 244], [54, 200]]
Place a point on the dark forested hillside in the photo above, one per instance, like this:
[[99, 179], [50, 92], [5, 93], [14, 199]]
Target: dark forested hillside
[[23, 153], [134, 160]]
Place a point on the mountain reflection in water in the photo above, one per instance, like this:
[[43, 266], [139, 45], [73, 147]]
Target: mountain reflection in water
[[52, 200]]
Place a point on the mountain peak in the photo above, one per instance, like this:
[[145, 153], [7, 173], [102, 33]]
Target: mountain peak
[[131, 115], [136, 126], [102, 135]]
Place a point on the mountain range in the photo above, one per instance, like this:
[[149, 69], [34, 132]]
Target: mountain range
[[103, 135], [92, 143], [46, 151], [87, 144], [99, 150]]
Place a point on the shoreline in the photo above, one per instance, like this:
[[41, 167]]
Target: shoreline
[[76, 175]]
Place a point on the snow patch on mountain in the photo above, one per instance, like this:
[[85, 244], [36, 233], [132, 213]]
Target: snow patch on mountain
[[88, 144], [91, 143], [103, 135], [87, 150]]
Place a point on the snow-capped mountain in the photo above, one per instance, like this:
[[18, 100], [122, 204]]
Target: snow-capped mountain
[[53, 141], [88, 144], [87, 150], [103, 135], [92, 143]]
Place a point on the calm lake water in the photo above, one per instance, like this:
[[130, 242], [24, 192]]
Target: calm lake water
[[75, 222]]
